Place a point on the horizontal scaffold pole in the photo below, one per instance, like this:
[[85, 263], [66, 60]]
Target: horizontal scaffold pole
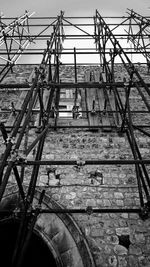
[[85, 211], [82, 163], [69, 85]]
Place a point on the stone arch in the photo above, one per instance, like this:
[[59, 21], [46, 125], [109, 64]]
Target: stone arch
[[59, 231]]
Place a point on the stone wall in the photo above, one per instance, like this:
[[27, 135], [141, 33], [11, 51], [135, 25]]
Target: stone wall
[[115, 239]]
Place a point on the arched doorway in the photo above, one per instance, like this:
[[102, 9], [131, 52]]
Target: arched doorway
[[58, 237], [37, 254]]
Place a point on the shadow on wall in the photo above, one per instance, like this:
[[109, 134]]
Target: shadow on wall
[[38, 253]]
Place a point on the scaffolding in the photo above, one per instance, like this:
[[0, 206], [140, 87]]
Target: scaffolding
[[43, 99]]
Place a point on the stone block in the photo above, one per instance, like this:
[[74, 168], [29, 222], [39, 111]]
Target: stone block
[[133, 261], [118, 195], [120, 250], [110, 231], [108, 195], [106, 203], [108, 249], [71, 195], [113, 239], [53, 182], [143, 261], [119, 202], [43, 179], [96, 232], [91, 203], [112, 261], [135, 250], [137, 238], [122, 262], [123, 231]]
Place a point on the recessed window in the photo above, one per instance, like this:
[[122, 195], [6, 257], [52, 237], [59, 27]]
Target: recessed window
[[62, 107]]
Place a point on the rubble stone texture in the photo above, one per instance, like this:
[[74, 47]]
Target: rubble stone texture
[[114, 239]]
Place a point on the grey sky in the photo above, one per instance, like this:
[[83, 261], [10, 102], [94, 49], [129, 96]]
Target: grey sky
[[73, 7], [15, 8]]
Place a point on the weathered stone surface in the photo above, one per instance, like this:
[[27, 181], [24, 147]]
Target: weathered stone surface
[[133, 261], [118, 195], [106, 203], [137, 238], [112, 261], [113, 239], [110, 231], [135, 250], [119, 202], [120, 250], [43, 180], [97, 232], [101, 260], [123, 231], [122, 262], [71, 195], [91, 202], [115, 188], [143, 261], [107, 250]]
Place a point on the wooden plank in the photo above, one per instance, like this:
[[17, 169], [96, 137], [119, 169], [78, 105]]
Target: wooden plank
[[116, 116], [104, 116], [101, 100], [93, 118], [83, 102]]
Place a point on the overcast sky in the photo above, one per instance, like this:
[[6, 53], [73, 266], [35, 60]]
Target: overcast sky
[[51, 8], [73, 7]]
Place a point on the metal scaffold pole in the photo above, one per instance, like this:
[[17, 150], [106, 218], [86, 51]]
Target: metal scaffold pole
[[98, 103]]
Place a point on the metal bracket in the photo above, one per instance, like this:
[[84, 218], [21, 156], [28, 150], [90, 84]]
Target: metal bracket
[[80, 163], [11, 140], [89, 210]]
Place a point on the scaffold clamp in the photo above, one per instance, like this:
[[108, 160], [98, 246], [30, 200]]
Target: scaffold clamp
[[145, 211], [89, 210]]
